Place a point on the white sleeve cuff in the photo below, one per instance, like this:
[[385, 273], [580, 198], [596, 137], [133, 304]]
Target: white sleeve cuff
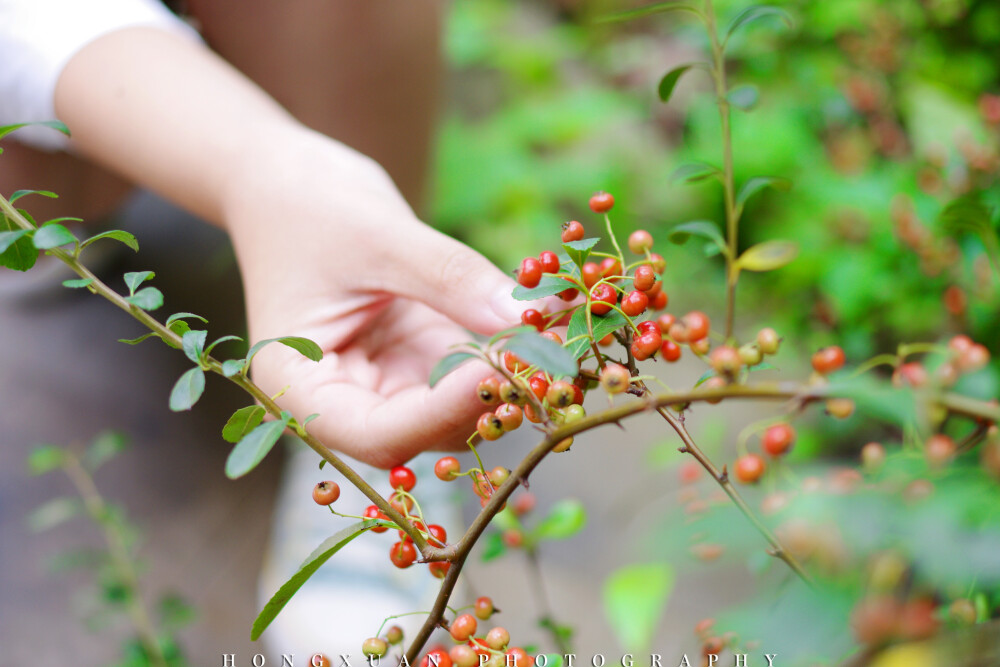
[[39, 37]]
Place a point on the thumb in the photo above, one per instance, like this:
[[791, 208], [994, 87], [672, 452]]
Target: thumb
[[458, 282]]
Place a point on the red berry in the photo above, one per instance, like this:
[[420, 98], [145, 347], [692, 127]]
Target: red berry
[[463, 655], [463, 627], [640, 241], [513, 362], [403, 554], [417, 524], [700, 347], [326, 493], [665, 321], [591, 273], [539, 385], [498, 476], [401, 476], [577, 394], [778, 439], [572, 231], [552, 336], [438, 535], [510, 416], [601, 202], [607, 340], [697, 324], [602, 296], [725, 360], [670, 350], [560, 394], [489, 426], [634, 303], [400, 503], [373, 512], [488, 391], [960, 344], [689, 472], [533, 318], [549, 261], [647, 326], [530, 273], [394, 634], [484, 608], [525, 503], [439, 569], [568, 294], [646, 345], [531, 415], [828, 360], [644, 278], [518, 657], [660, 302], [436, 657], [910, 374], [974, 358], [514, 538], [610, 267], [659, 264], [446, 468], [615, 378], [655, 290], [513, 392], [939, 450], [749, 468]]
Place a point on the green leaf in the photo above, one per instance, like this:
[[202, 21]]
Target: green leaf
[[706, 229], [77, 283], [135, 278], [252, 449], [758, 183], [507, 333], [136, 341], [242, 422], [493, 547], [303, 346], [17, 252], [744, 97], [45, 458], [655, 8], [23, 193], [548, 286], [148, 298], [549, 356], [174, 612], [52, 236], [566, 519], [693, 172], [751, 14], [7, 239], [105, 447], [188, 390], [322, 554], [231, 367], [193, 344], [768, 256], [52, 513], [183, 316], [603, 325], [579, 251], [305, 422], [54, 124], [669, 82], [208, 350], [634, 599], [448, 364], [117, 235]]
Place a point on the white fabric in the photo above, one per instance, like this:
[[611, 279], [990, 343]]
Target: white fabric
[[38, 38]]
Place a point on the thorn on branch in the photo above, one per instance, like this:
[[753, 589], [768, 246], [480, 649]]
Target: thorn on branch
[[724, 475], [684, 449]]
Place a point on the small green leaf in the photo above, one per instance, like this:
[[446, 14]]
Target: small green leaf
[[183, 316], [602, 324], [23, 193], [579, 251], [179, 327], [193, 344], [17, 252], [305, 422], [303, 346], [136, 341], [628, 15], [768, 256], [148, 298], [242, 422], [669, 82], [52, 236], [54, 124], [188, 390], [703, 228], [77, 283], [252, 449], [634, 599], [548, 286], [208, 350], [757, 12], [45, 458], [174, 612], [693, 172], [117, 235], [231, 367], [744, 97], [322, 554], [52, 513], [105, 447], [493, 547], [566, 519], [7, 239], [549, 356], [448, 364], [135, 278], [758, 183], [507, 333]]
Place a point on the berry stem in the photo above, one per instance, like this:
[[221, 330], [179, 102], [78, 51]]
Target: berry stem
[[614, 240]]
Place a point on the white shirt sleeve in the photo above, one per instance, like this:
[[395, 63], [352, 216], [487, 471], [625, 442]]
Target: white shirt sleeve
[[38, 38]]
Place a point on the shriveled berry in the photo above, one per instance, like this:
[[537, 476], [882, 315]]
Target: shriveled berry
[[326, 493], [530, 273], [778, 439], [533, 318], [446, 468], [615, 378], [463, 627], [403, 554], [749, 469], [489, 426], [644, 278], [560, 394], [374, 646], [513, 392], [591, 273], [640, 241], [401, 476], [497, 638], [828, 360], [670, 350], [488, 391], [601, 202], [646, 345], [603, 297], [373, 512], [572, 231], [484, 607], [510, 416], [439, 568], [768, 340], [549, 261], [635, 303], [394, 634]]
